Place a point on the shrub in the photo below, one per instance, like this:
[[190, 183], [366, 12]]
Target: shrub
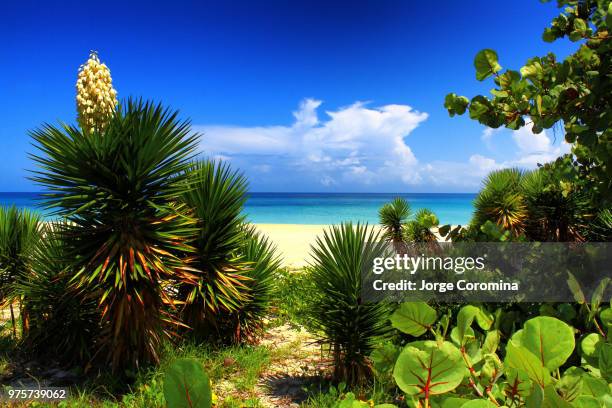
[[501, 201], [216, 195], [19, 236], [63, 319], [344, 321]]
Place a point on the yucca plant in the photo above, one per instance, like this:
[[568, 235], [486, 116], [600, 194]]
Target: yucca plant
[[263, 261], [19, 236], [555, 214], [341, 318], [501, 201], [393, 217], [63, 319], [118, 190], [216, 196], [420, 229]]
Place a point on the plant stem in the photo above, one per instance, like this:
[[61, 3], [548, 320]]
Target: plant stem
[[13, 321]]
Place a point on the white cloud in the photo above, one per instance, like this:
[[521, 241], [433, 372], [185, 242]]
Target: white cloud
[[354, 143], [359, 147]]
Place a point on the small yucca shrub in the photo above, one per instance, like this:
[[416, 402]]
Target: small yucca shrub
[[342, 319], [501, 201], [117, 189], [420, 229], [19, 237], [263, 262], [393, 217], [63, 319], [555, 214], [215, 196]]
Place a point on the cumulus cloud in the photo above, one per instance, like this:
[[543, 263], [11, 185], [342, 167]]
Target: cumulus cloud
[[356, 143], [359, 147]]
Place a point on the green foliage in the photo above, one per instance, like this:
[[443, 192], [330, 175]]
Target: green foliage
[[342, 319], [427, 368], [414, 318], [116, 189], [574, 92], [501, 201], [233, 266], [393, 217], [260, 255], [186, 385], [19, 235], [475, 368], [420, 229], [62, 319], [216, 195]]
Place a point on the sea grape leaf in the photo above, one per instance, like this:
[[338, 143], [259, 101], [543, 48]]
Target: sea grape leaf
[[486, 64], [414, 318], [598, 293], [384, 357], [549, 339], [546, 398], [586, 401], [186, 385], [605, 361], [491, 342], [594, 386], [429, 368], [606, 318], [589, 346], [518, 382], [570, 385], [466, 316], [479, 403], [522, 359], [452, 402], [575, 288]]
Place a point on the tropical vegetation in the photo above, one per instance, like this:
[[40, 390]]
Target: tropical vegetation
[[150, 284]]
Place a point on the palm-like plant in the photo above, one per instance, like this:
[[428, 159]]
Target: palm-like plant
[[263, 262], [116, 188], [420, 229], [19, 236], [343, 320], [63, 318], [554, 214], [501, 201], [216, 197], [393, 217]]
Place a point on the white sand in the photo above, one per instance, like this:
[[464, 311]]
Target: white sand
[[293, 241]]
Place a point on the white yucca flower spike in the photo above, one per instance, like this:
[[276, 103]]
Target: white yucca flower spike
[[96, 99]]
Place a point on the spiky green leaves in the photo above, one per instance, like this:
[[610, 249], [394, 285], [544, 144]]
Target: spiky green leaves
[[19, 234], [345, 322], [118, 189], [501, 202], [232, 264], [215, 195], [393, 217]]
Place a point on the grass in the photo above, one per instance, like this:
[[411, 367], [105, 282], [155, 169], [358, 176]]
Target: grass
[[234, 371]]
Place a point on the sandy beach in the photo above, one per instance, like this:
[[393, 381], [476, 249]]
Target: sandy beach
[[293, 241]]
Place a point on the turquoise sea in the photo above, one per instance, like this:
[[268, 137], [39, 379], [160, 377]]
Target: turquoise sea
[[322, 208]]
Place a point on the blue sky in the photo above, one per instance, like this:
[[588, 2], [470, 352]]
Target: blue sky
[[301, 96]]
